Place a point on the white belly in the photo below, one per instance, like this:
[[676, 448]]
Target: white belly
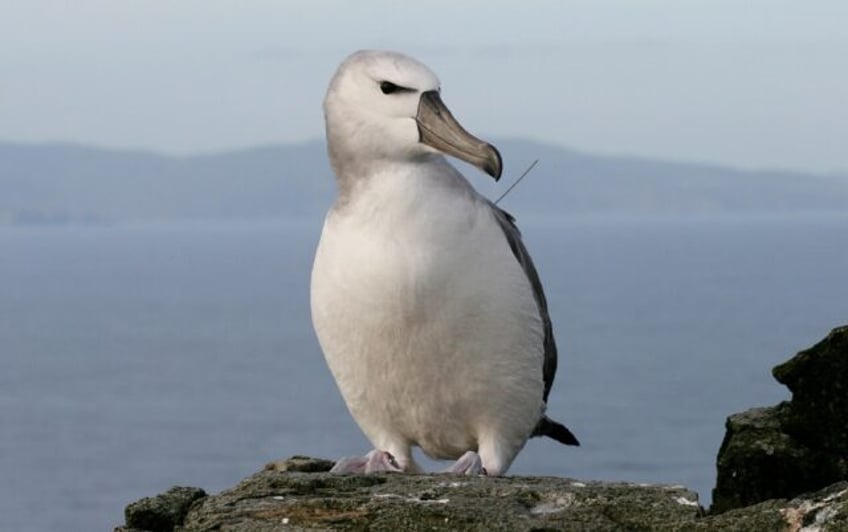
[[429, 325]]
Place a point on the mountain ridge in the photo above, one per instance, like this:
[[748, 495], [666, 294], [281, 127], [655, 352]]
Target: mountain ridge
[[62, 182]]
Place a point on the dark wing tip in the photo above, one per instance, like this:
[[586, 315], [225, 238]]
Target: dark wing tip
[[557, 431]]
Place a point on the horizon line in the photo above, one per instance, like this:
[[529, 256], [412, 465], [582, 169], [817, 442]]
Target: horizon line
[[223, 151]]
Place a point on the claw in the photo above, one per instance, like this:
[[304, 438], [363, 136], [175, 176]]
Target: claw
[[379, 461], [468, 464]]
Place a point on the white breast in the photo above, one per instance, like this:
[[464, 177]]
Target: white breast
[[426, 320]]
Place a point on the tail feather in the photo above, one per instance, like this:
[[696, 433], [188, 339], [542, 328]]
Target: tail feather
[[552, 429]]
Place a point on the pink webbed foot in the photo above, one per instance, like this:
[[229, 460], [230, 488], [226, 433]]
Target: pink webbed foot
[[468, 464], [373, 462]]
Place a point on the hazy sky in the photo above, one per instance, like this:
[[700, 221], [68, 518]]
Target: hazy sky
[[761, 83]]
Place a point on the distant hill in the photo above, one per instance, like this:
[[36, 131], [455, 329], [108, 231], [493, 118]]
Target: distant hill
[[65, 183]]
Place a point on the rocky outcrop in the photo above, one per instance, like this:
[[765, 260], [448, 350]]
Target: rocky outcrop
[[298, 494], [418, 502], [817, 416], [797, 446], [162, 512]]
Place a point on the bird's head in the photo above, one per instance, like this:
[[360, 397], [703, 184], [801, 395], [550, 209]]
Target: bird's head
[[386, 107]]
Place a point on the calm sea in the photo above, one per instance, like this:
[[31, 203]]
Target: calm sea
[[133, 358]]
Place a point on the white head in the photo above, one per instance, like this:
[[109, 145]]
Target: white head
[[384, 107]]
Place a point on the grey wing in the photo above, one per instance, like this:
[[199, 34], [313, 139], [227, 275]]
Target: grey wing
[[513, 237], [546, 426]]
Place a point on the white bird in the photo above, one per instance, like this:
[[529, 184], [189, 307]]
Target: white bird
[[424, 299]]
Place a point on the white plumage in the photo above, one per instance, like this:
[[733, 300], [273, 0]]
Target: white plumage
[[428, 321]]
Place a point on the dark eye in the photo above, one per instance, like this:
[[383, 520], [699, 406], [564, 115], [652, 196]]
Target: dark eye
[[389, 88]]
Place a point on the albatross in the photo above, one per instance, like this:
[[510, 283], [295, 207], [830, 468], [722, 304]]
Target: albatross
[[425, 302]]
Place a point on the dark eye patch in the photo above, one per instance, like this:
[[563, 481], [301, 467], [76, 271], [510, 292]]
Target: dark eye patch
[[390, 88]]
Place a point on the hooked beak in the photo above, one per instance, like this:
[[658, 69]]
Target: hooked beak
[[438, 129]]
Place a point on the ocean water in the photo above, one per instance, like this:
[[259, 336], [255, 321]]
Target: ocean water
[[134, 358]]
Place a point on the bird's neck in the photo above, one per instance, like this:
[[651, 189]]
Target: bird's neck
[[406, 188]]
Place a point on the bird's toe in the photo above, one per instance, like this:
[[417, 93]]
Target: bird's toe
[[468, 464]]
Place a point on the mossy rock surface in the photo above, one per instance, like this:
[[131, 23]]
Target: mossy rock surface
[[818, 379], [795, 447], [164, 512], [282, 499]]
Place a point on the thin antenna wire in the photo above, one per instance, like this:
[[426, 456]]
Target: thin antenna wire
[[517, 181]]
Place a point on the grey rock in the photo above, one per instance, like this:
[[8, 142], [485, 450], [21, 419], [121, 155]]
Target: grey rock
[[823, 511], [163, 512], [284, 499], [818, 379], [303, 464], [272, 500], [797, 446]]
